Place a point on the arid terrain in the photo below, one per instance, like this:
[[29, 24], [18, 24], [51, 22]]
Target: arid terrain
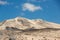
[[25, 29]]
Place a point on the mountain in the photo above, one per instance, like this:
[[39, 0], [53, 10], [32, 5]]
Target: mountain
[[20, 28], [24, 23]]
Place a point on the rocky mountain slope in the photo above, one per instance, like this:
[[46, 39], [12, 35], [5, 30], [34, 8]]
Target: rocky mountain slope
[[21, 28]]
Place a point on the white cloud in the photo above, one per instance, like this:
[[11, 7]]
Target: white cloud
[[3, 2], [31, 7]]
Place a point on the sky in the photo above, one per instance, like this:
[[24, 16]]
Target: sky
[[48, 10]]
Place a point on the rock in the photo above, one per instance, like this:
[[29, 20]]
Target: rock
[[25, 29]]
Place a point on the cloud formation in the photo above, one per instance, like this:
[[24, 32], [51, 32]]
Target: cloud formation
[[31, 7], [3, 2]]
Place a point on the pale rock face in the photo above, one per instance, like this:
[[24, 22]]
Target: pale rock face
[[25, 29], [24, 23]]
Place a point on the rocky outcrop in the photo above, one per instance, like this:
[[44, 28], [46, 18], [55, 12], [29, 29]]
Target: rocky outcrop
[[24, 23], [25, 29]]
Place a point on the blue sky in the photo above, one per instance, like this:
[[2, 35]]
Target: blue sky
[[48, 10]]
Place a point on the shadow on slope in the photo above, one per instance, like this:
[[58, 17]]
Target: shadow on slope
[[31, 29]]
